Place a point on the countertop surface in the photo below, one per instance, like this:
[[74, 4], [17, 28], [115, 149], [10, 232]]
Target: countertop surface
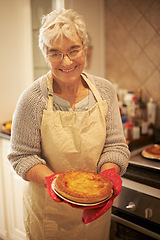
[[4, 135], [139, 160], [143, 170]]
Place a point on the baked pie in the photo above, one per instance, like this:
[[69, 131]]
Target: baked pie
[[83, 186], [152, 151]]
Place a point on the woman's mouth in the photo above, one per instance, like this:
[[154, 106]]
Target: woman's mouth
[[68, 70]]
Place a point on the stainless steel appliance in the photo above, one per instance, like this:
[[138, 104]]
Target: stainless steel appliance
[[136, 211]]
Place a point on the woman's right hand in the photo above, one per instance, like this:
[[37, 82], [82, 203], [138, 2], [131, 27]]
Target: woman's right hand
[[50, 191]]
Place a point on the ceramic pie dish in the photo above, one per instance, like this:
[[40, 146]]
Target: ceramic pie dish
[[152, 152], [83, 187]]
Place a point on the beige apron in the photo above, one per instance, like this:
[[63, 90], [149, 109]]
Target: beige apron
[[70, 141]]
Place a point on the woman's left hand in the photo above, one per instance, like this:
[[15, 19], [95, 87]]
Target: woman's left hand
[[90, 215], [114, 177]]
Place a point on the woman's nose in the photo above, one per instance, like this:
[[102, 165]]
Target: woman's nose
[[66, 60]]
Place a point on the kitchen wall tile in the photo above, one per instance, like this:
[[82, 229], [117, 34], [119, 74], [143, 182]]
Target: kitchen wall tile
[[130, 49], [116, 32], [143, 67], [115, 60], [158, 111], [153, 85], [127, 10], [132, 46], [143, 32], [151, 50], [153, 14], [142, 5], [128, 80], [114, 5], [123, 10]]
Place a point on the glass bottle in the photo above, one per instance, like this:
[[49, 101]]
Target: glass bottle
[[142, 114]]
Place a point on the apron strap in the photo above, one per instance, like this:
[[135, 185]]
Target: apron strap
[[92, 87], [50, 89]]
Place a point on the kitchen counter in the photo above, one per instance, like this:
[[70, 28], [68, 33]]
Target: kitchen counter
[[143, 170], [139, 160], [4, 135]]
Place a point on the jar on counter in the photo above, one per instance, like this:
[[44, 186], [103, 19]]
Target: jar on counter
[[151, 111], [128, 100], [151, 116], [124, 120], [129, 130], [136, 133]]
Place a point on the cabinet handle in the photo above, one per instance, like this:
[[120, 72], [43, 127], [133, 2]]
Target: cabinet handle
[[131, 206], [148, 213]]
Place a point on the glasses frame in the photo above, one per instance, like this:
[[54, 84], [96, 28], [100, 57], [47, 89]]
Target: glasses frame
[[66, 54]]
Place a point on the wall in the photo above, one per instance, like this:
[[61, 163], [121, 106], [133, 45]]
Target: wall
[[38, 9], [93, 13], [132, 40], [16, 54]]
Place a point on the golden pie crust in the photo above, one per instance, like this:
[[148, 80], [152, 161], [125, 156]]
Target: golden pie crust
[[152, 151], [83, 186]]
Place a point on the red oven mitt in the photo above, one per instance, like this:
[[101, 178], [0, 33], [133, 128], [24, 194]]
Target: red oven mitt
[[54, 196], [50, 191], [90, 215]]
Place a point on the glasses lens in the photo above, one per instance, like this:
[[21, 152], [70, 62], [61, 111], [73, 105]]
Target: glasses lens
[[74, 53], [56, 57]]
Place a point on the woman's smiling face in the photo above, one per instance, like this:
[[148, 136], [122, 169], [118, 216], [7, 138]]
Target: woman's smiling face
[[66, 70]]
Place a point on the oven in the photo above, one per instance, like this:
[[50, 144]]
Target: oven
[[136, 211]]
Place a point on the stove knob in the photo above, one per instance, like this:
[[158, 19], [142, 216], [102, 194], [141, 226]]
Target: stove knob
[[148, 213], [131, 206]]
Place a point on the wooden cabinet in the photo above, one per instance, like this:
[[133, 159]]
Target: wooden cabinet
[[11, 191]]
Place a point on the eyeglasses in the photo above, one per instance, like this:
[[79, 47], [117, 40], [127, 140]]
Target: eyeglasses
[[72, 54]]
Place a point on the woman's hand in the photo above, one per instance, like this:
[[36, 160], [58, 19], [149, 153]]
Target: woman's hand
[[50, 191], [109, 166], [90, 215], [38, 173]]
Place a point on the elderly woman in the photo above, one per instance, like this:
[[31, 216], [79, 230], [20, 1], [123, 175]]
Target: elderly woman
[[66, 120]]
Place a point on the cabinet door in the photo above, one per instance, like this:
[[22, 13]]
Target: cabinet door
[[13, 192], [3, 232]]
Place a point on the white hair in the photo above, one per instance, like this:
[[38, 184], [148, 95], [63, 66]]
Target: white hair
[[64, 22]]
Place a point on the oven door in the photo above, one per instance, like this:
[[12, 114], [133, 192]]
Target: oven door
[[135, 214], [124, 226]]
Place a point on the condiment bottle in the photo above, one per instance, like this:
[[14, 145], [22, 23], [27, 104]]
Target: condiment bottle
[[127, 100], [128, 130], [142, 114], [151, 111], [151, 116], [124, 120], [134, 107]]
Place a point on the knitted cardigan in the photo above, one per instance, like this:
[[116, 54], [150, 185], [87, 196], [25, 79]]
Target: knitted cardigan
[[25, 151]]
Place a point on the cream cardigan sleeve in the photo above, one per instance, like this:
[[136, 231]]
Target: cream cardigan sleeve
[[25, 149]]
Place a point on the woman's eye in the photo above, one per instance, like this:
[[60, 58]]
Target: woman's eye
[[55, 54], [74, 52]]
